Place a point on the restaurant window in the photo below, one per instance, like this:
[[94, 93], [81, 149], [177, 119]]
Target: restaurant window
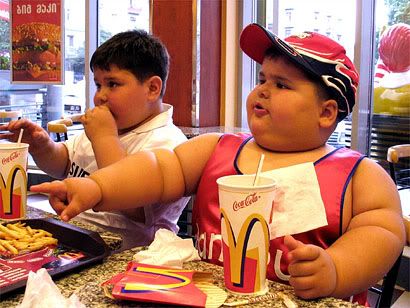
[[381, 116], [121, 15], [70, 40], [390, 112], [42, 103], [323, 16]]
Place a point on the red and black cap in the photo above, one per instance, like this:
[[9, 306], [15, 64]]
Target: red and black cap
[[315, 53]]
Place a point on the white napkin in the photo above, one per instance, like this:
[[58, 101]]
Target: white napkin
[[168, 249], [42, 292], [298, 205]]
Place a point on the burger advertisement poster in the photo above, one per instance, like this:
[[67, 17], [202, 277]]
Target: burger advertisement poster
[[37, 41]]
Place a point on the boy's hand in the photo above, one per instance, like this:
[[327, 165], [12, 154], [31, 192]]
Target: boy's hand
[[99, 123], [71, 196], [312, 271], [33, 134]]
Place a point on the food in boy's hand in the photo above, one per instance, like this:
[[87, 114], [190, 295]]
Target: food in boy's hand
[[18, 238]]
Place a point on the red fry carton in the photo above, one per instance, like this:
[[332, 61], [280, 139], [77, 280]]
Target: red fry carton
[[158, 284]]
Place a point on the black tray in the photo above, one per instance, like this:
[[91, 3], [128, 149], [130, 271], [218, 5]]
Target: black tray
[[69, 236]]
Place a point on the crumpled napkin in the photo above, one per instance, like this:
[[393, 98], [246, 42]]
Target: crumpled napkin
[[168, 249], [298, 205], [42, 292]]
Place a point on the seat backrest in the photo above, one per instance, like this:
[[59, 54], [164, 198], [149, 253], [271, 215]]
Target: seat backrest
[[185, 221], [398, 158], [401, 178]]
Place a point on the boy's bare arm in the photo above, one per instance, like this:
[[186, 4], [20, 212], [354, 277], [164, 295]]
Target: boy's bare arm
[[50, 157], [375, 234], [159, 176], [137, 180]]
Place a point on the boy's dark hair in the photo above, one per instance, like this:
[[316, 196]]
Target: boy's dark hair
[[136, 51]]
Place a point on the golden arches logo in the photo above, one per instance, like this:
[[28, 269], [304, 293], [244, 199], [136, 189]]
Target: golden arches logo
[[168, 273], [7, 189], [239, 251]]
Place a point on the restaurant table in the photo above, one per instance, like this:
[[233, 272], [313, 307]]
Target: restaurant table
[[86, 282]]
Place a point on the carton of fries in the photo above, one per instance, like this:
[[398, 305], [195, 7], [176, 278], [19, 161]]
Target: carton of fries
[[165, 285]]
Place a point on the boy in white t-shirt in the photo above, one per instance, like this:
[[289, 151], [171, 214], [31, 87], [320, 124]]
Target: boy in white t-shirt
[[130, 73]]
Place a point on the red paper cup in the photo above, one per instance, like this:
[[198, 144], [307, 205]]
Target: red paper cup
[[13, 182], [246, 211]]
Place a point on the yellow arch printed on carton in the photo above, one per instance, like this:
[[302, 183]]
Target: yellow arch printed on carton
[[182, 280], [7, 189], [238, 247]]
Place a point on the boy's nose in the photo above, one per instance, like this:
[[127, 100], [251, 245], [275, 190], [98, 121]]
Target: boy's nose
[[263, 92], [100, 97]]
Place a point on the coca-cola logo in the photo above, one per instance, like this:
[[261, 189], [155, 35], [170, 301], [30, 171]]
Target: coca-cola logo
[[10, 158], [249, 200]]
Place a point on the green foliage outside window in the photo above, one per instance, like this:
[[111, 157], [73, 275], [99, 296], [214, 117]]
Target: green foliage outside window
[[4, 45]]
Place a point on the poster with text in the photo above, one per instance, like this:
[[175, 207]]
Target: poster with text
[[37, 41]]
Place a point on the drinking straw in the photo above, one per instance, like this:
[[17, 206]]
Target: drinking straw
[[255, 181], [20, 136]]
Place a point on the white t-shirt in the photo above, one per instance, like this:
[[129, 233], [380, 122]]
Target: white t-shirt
[[159, 132]]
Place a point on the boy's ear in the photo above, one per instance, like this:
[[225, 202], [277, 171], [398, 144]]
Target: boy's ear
[[328, 113], [154, 85]]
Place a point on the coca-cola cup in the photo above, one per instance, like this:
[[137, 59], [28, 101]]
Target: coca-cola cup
[[246, 213], [13, 182]]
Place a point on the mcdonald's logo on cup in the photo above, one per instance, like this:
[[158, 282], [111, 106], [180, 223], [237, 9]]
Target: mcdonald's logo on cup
[[246, 211], [13, 180]]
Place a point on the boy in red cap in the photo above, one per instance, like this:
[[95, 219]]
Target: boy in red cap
[[306, 86]]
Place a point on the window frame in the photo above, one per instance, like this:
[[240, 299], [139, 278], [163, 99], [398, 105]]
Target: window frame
[[363, 60]]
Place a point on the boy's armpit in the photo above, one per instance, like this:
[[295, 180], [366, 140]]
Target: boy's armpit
[[375, 199], [193, 156], [373, 188]]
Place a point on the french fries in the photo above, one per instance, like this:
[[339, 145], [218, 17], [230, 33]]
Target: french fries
[[18, 238]]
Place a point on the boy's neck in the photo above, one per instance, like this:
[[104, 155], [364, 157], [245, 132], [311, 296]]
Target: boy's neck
[[155, 110], [275, 160]]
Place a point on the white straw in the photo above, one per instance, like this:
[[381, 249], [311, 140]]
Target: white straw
[[20, 136], [259, 169]]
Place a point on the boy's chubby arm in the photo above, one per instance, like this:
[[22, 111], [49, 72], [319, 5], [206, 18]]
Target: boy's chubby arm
[[373, 226], [140, 179], [51, 157]]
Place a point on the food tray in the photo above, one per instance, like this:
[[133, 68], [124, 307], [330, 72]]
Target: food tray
[[76, 249]]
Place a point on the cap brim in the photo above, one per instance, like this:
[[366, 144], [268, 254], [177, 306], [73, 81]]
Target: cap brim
[[255, 40]]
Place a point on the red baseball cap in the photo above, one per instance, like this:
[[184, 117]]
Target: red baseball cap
[[315, 53]]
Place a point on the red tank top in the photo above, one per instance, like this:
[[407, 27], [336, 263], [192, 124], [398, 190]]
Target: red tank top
[[333, 171]]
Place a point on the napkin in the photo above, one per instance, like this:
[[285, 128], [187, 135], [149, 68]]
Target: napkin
[[168, 249], [42, 292], [298, 205]]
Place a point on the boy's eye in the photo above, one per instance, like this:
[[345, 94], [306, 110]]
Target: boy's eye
[[98, 86], [280, 85], [261, 81], [112, 84]]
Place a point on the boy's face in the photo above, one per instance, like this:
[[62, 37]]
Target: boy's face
[[124, 95], [284, 108]]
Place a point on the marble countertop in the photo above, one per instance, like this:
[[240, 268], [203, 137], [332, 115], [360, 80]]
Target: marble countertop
[[86, 282]]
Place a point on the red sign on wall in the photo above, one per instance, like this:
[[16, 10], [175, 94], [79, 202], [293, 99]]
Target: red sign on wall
[[37, 41]]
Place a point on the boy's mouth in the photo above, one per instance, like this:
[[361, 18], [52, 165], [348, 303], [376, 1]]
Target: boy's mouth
[[259, 110]]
